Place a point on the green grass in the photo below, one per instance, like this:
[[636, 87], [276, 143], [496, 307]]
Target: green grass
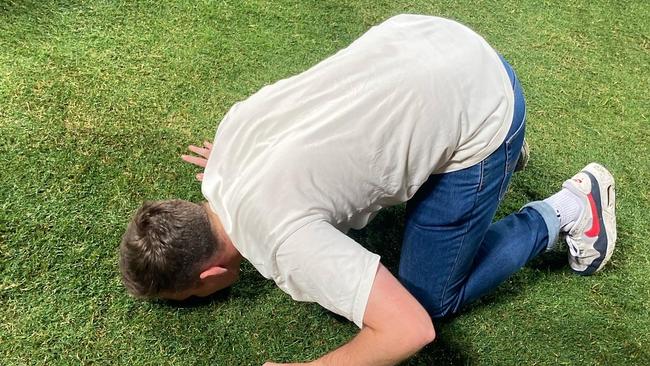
[[99, 98]]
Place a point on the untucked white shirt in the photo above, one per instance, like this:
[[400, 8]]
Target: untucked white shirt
[[303, 160]]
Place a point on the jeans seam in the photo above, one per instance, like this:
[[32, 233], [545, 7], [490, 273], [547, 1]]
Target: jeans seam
[[503, 187], [510, 163], [516, 132], [505, 181], [480, 177]]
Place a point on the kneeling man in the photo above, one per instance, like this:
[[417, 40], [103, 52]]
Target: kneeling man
[[420, 110]]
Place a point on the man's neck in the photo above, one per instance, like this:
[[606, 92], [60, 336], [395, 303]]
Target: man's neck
[[229, 253]]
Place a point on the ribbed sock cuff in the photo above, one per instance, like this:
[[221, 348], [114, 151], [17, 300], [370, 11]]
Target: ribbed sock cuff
[[567, 208]]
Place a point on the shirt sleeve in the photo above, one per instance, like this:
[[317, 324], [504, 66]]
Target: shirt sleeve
[[318, 263]]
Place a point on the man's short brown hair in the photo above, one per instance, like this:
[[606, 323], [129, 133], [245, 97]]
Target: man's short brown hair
[[165, 246]]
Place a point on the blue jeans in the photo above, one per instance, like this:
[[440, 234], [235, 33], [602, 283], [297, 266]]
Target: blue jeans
[[452, 253]]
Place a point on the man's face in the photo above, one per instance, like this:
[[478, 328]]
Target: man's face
[[206, 287]]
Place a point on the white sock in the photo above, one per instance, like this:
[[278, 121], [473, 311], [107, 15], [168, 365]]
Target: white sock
[[567, 206]]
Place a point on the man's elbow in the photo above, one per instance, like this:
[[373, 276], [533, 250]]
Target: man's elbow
[[421, 332], [427, 333]]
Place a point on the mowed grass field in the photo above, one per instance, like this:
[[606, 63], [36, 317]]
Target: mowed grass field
[[98, 100]]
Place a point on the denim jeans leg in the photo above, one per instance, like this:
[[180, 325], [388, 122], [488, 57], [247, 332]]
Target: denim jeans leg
[[452, 253], [447, 223], [508, 245], [443, 233]]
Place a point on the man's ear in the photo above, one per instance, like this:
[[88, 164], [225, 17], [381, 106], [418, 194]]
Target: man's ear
[[213, 271]]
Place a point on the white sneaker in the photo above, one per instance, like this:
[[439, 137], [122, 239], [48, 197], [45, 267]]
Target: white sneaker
[[593, 236]]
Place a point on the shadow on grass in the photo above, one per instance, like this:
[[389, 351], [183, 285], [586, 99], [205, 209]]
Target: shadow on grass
[[444, 351], [195, 301], [383, 235], [251, 285]]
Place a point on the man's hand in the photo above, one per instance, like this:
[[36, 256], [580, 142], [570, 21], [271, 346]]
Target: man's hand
[[202, 159]]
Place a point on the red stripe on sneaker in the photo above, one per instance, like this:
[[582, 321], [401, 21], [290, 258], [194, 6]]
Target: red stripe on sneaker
[[595, 220]]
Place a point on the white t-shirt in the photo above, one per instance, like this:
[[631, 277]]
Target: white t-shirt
[[303, 160]]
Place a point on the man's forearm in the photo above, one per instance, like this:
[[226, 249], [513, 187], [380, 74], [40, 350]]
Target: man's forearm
[[395, 326], [371, 347]]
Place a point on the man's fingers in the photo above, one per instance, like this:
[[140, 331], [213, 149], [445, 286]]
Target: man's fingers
[[202, 159], [200, 151], [195, 160]]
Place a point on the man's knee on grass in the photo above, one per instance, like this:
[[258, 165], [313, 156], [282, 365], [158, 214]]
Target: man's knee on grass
[[166, 249]]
